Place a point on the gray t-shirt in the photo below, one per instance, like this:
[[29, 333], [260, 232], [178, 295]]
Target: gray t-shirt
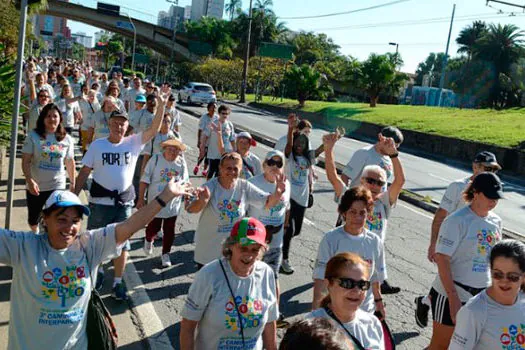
[[153, 146], [298, 172], [141, 120], [365, 327], [453, 198], [367, 156], [99, 122], [88, 110], [225, 207], [251, 166], [48, 162], [228, 136], [130, 98], [274, 216], [468, 239], [68, 111], [34, 113], [51, 288], [209, 302], [367, 245], [157, 174], [484, 324]]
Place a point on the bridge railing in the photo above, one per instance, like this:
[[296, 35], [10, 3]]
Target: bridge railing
[[137, 13]]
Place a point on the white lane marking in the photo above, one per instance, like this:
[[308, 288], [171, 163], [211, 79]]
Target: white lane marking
[[150, 323], [308, 222], [441, 178], [415, 211]]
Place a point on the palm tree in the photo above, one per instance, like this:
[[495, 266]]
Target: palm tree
[[468, 37], [232, 7], [264, 6], [502, 46]]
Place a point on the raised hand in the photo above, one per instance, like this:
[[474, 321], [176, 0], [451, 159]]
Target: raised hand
[[280, 184], [292, 120], [389, 144], [179, 188], [329, 140]]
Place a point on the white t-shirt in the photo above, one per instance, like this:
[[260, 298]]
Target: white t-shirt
[[209, 302], [298, 172], [205, 121], [274, 216], [367, 245], [131, 95], [468, 240], [157, 174], [34, 113], [88, 110], [365, 327], [225, 207], [51, 288], [484, 324], [68, 111], [99, 121], [113, 164], [228, 136], [141, 120], [153, 146], [453, 198], [48, 162], [175, 118], [367, 156], [251, 166]]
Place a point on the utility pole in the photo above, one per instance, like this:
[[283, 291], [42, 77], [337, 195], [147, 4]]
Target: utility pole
[[247, 57], [445, 59], [16, 108], [507, 3]]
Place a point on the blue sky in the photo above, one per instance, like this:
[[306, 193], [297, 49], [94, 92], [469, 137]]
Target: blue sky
[[419, 26]]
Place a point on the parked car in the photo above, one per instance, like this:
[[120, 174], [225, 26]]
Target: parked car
[[199, 93]]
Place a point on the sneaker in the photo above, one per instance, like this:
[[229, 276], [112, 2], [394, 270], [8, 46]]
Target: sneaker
[[196, 170], [120, 292], [386, 288], [281, 322], [205, 173], [100, 280], [160, 234], [286, 268], [148, 247], [421, 312], [166, 262]]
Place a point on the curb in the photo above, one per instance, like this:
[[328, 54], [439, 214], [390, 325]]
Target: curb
[[405, 195]]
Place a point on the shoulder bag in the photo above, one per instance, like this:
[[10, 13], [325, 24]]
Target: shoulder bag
[[357, 343]]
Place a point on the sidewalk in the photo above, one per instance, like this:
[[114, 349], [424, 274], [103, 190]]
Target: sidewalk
[[128, 331]]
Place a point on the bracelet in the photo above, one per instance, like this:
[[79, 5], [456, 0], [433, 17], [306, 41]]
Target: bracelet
[[380, 300], [160, 201], [394, 155]]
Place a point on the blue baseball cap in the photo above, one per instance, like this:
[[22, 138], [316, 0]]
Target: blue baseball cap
[[65, 199], [140, 98]]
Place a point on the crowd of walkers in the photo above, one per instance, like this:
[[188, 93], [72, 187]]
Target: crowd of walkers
[[250, 209]]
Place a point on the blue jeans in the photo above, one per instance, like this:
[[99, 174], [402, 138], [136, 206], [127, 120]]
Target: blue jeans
[[103, 215]]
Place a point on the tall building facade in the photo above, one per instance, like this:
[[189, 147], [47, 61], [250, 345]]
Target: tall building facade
[[210, 8], [187, 13], [171, 19], [83, 39]]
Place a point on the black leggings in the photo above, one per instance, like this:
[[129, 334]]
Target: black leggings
[[295, 224], [213, 168]]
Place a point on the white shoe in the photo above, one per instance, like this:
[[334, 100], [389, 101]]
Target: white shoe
[[148, 247], [286, 268], [160, 234], [166, 262]]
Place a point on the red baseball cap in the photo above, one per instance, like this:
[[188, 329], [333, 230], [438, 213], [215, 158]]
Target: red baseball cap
[[249, 231]]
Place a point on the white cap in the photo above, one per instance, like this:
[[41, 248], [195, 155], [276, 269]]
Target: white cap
[[247, 135], [65, 199], [275, 153]]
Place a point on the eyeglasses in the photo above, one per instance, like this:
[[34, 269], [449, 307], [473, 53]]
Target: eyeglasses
[[372, 181], [277, 163], [511, 276], [43, 96], [490, 169], [350, 283]]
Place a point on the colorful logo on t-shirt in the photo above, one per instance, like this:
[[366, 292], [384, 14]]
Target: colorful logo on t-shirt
[[299, 173], [486, 240], [50, 154], [228, 212], [62, 285], [165, 175], [374, 221], [277, 208], [513, 337], [251, 311]]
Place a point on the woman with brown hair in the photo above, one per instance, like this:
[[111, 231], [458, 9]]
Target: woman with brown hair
[[353, 237], [47, 154], [348, 280]]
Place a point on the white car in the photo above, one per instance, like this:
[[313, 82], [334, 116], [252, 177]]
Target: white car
[[200, 93]]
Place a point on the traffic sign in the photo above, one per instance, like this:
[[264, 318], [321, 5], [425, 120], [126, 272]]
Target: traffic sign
[[46, 32], [199, 48], [124, 25], [283, 52], [140, 58], [108, 9]]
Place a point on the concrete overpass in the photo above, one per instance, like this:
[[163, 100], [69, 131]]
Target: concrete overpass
[[153, 36]]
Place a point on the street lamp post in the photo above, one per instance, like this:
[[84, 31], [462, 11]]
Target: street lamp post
[[175, 2], [247, 58], [134, 42], [397, 49]]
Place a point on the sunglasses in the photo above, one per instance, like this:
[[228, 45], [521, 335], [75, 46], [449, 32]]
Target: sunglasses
[[277, 163], [372, 181], [511, 276], [490, 169], [43, 96], [350, 283]]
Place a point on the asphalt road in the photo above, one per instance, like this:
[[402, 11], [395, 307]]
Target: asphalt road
[[406, 245], [423, 176]]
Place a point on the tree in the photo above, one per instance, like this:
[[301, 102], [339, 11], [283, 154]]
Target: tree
[[432, 66], [78, 52], [378, 72], [264, 6], [303, 82], [216, 32], [502, 46], [233, 7], [468, 37], [310, 48]]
